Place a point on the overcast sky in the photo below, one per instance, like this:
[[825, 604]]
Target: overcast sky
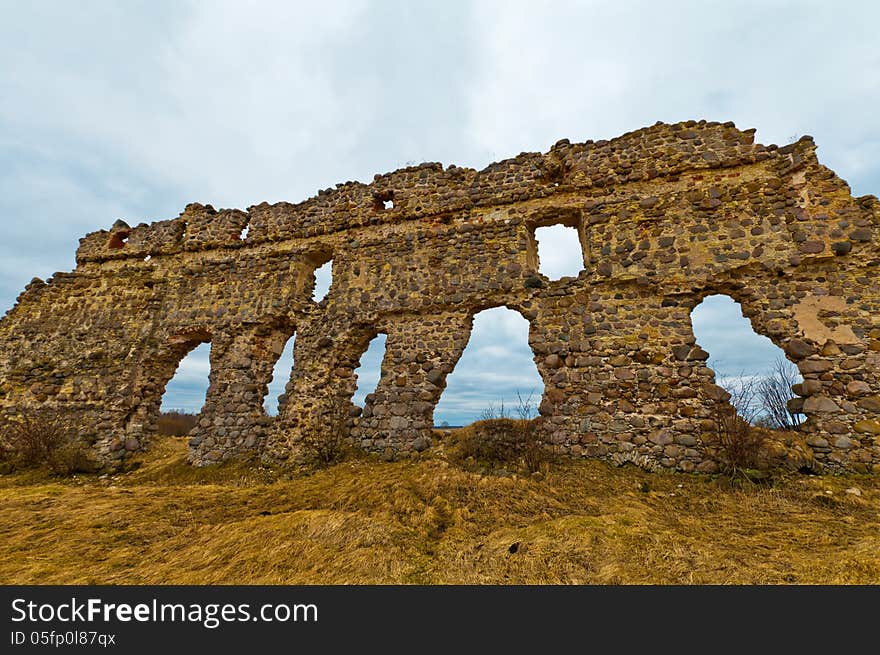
[[134, 109]]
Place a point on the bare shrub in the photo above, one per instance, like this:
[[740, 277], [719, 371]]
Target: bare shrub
[[32, 440], [773, 393], [501, 440], [737, 442], [71, 457], [533, 454], [323, 446], [492, 413], [525, 408], [176, 423], [324, 442]]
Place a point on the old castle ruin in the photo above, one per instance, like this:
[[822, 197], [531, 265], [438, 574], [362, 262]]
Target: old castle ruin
[[665, 215]]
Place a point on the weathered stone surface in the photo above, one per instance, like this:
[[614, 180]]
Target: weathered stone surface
[[836, 427], [798, 349], [815, 366], [807, 388], [816, 441], [844, 443], [698, 354], [624, 374], [841, 247], [661, 437], [665, 216], [869, 427], [716, 393], [812, 246], [858, 388], [681, 352], [819, 404]]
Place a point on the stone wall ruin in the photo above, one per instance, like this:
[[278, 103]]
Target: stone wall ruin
[[665, 215]]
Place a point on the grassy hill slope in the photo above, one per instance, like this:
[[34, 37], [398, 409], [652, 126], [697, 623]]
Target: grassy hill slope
[[428, 521]]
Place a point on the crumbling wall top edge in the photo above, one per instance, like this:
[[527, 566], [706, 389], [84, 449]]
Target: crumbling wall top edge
[[429, 189]]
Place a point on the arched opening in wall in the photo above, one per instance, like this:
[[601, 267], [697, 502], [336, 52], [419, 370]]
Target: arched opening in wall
[[185, 393], [747, 365], [369, 369], [496, 376], [559, 251], [323, 280], [282, 374]]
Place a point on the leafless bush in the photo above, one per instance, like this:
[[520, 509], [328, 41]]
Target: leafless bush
[[497, 442], [492, 413], [71, 457], [773, 393], [755, 402], [525, 409], [499, 439], [323, 442], [33, 440], [743, 395], [532, 451], [323, 447], [30, 439], [737, 442]]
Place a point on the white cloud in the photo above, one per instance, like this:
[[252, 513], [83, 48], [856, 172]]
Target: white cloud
[[590, 70]]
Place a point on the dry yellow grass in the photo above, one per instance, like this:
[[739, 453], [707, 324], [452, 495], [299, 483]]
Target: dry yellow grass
[[430, 522]]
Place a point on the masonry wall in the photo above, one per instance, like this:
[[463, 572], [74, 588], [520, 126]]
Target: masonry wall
[[666, 216]]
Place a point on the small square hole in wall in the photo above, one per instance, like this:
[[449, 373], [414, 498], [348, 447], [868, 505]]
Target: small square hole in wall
[[383, 200], [148, 258], [559, 251]]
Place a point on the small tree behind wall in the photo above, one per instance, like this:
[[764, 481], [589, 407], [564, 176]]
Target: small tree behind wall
[[774, 392]]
